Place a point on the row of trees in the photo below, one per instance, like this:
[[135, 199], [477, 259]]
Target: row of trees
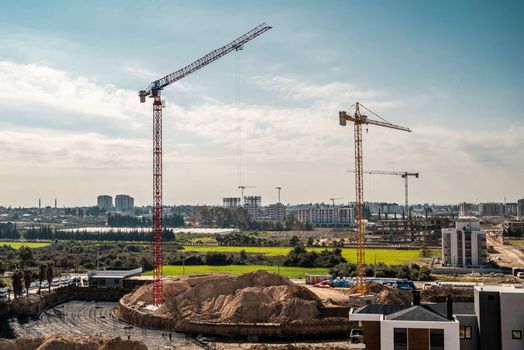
[[240, 239], [9, 231], [47, 233], [300, 257], [380, 270]]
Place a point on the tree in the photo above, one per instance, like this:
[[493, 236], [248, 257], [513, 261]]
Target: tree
[[28, 276], [2, 267], [16, 281], [49, 275], [294, 241], [25, 255], [243, 255], [310, 241], [42, 274]]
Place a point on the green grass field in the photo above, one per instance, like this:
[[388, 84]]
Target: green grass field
[[387, 256], [17, 245], [290, 272]]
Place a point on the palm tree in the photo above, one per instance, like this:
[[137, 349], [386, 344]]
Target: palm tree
[[25, 254], [42, 275], [16, 281], [28, 276], [49, 275]]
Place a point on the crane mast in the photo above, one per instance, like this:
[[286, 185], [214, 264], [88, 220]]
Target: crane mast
[[154, 91], [358, 120]]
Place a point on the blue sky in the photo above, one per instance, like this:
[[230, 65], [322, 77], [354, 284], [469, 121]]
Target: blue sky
[[72, 127]]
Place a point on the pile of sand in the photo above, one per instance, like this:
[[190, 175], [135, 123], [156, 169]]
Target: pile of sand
[[386, 294], [256, 297], [62, 341]]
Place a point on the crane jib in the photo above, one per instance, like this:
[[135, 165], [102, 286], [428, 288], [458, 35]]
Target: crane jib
[[203, 61]]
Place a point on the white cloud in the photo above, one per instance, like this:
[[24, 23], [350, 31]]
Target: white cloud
[[300, 148]]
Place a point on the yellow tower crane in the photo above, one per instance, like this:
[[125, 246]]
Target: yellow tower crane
[[358, 119]]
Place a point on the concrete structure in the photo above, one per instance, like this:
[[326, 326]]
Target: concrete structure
[[323, 216], [111, 278], [231, 202], [464, 245], [254, 201], [277, 212], [491, 209], [500, 317], [426, 230], [520, 208], [511, 209], [104, 202], [123, 202], [467, 209]]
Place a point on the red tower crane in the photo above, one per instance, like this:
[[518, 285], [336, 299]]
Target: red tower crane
[[154, 91], [358, 119]]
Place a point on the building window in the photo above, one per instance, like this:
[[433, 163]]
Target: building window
[[436, 339], [465, 332], [516, 334], [400, 339], [116, 281]]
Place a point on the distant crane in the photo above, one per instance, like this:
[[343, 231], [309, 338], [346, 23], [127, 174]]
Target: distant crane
[[278, 188], [358, 119], [242, 188], [404, 175], [154, 90], [334, 199]]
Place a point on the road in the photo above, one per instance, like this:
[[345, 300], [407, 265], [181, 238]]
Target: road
[[95, 319], [511, 255]]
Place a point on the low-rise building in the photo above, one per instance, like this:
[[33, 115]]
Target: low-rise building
[[401, 327], [111, 278], [464, 245]]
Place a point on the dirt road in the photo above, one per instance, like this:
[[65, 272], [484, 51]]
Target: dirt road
[[511, 255]]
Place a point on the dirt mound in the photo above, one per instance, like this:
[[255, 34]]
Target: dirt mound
[[385, 294], [256, 297], [62, 341], [440, 294]]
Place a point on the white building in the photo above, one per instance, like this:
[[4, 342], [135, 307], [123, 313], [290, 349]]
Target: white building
[[327, 216], [464, 245], [123, 202], [105, 202]]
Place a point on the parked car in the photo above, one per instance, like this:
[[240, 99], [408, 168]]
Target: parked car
[[520, 274]]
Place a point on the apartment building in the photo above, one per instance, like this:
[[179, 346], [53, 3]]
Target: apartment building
[[467, 209], [277, 212], [464, 245], [231, 202], [511, 209], [520, 208], [104, 202], [323, 216], [123, 202], [491, 209]]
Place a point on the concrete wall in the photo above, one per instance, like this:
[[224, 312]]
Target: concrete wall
[[328, 327], [512, 318]]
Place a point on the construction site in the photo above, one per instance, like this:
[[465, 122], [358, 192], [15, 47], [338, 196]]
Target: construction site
[[262, 310]]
